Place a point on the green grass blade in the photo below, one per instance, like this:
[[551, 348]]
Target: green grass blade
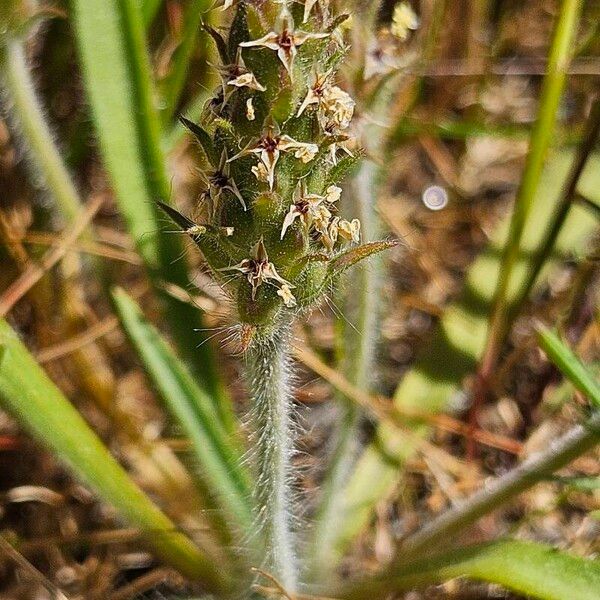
[[541, 138], [570, 365], [172, 85], [41, 408], [149, 8], [119, 87], [216, 452], [32, 128], [534, 570], [562, 209]]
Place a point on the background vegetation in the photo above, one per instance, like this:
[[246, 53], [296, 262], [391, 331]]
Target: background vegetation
[[447, 394]]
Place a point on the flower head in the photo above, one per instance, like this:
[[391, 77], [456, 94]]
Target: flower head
[[284, 40], [269, 147], [219, 181], [305, 207], [237, 75], [404, 20], [258, 270]]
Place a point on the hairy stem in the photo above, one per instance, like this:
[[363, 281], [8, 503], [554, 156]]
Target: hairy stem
[[271, 397], [30, 121]]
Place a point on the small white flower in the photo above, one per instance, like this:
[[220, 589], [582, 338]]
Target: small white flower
[[404, 20], [337, 107], [286, 294], [250, 115], [259, 270], [270, 146], [284, 40], [307, 153], [247, 80], [260, 172], [332, 194], [307, 207], [350, 230]]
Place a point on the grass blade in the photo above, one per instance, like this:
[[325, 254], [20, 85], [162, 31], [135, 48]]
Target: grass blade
[[552, 88], [570, 365], [534, 570], [562, 208], [40, 407], [443, 529], [32, 127], [149, 8], [173, 83], [118, 82], [214, 449]]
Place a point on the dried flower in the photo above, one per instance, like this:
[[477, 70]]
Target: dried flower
[[284, 40], [404, 20], [247, 80], [336, 107], [250, 115], [329, 233], [237, 75], [286, 294], [259, 270], [332, 194], [307, 153], [270, 146], [350, 230], [306, 207]]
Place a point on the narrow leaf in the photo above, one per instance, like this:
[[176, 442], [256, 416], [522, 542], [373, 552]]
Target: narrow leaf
[[149, 8], [118, 83], [570, 366], [534, 570], [40, 407], [203, 139], [349, 258], [173, 83], [215, 451]]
